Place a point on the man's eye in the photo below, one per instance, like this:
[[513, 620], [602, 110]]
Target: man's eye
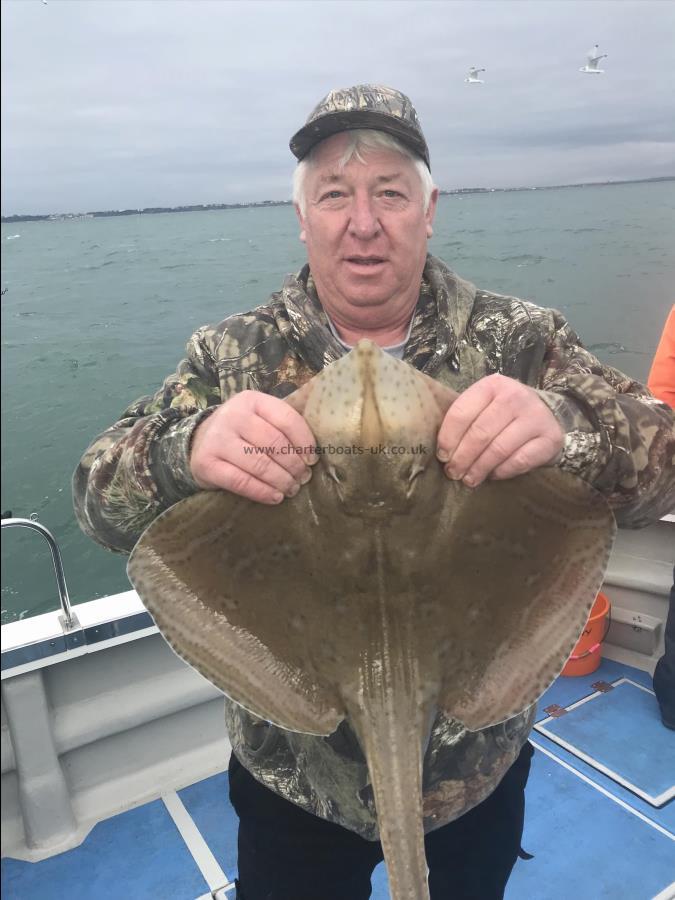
[[389, 193], [332, 195]]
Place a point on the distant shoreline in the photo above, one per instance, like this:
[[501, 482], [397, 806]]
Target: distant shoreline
[[152, 210]]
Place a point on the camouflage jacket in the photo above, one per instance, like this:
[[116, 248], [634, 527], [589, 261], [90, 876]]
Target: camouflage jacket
[[618, 437]]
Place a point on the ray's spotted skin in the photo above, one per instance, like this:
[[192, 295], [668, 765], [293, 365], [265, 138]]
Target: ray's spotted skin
[[364, 605]]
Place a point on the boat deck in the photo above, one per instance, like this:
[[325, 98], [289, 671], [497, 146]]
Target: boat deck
[[600, 816]]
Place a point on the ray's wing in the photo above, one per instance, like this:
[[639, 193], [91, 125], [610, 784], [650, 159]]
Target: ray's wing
[[519, 564], [221, 576]]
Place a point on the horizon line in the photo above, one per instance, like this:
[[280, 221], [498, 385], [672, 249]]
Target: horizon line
[[199, 207]]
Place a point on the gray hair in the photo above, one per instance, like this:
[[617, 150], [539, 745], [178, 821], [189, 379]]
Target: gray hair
[[363, 139]]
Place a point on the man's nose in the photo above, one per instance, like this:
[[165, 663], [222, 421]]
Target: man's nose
[[363, 222]]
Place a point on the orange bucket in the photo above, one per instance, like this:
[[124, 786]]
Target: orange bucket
[[587, 653]]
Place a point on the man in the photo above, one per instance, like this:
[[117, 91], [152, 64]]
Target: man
[[532, 396]]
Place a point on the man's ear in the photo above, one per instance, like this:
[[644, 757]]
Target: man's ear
[[301, 219], [431, 212]]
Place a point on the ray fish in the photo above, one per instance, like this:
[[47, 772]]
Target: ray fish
[[383, 592]]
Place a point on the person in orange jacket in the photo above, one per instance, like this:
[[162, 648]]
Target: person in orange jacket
[[661, 383]]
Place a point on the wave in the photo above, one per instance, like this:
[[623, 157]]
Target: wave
[[614, 347], [524, 259], [580, 230]]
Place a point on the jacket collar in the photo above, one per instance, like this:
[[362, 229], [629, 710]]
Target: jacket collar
[[439, 321]]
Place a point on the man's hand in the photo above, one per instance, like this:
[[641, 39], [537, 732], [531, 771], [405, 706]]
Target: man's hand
[[497, 428], [247, 446]]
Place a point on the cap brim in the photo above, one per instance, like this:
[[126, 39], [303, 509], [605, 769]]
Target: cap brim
[[332, 123]]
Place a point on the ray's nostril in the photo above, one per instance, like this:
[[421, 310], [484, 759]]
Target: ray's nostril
[[336, 474]]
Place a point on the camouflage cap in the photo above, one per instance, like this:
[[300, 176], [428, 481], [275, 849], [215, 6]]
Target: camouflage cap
[[362, 106]]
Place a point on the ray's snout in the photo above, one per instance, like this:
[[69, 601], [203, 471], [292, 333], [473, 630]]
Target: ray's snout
[[375, 423]]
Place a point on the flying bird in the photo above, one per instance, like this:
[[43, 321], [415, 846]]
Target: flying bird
[[472, 77], [594, 57]]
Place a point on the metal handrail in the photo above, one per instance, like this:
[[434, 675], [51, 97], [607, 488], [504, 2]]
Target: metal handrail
[[69, 619]]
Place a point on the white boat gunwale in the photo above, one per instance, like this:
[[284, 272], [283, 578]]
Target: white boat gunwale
[[42, 640]]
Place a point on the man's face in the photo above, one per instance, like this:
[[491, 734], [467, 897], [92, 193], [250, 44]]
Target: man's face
[[366, 233]]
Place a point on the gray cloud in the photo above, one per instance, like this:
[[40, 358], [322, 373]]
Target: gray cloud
[[118, 103]]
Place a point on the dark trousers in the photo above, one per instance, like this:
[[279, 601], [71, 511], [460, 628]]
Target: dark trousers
[[664, 674], [286, 853]]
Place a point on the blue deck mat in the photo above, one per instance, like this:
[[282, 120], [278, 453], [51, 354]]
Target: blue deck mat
[[622, 732], [585, 846], [380, 884], [137, 854], [663, 816], [564, 692], [208, 804]]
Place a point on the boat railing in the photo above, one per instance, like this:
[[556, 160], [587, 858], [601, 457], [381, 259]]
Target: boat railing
[[42, 639], [68, 619]]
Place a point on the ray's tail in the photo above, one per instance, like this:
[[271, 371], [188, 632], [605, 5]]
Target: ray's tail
[[393, 723]]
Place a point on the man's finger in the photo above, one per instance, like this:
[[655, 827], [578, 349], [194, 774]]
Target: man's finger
[[461, 416], [265, 438], [286, 420], [479, 437], [228, 477], [532, 455], [503, 446], [255, 462]]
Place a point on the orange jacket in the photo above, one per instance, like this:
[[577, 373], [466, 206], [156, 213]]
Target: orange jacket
[[661, 381]]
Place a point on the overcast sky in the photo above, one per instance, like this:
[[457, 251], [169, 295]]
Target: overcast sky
[[108, 104]]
